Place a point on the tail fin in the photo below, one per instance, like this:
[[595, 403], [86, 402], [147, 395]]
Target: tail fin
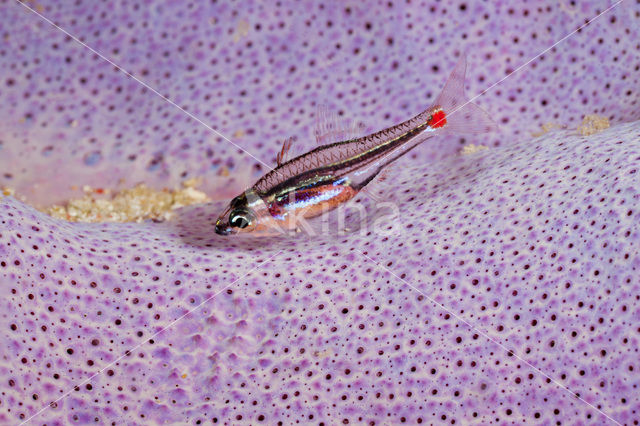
[[461, 115]]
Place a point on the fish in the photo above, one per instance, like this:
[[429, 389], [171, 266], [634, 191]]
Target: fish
[[328, 176]]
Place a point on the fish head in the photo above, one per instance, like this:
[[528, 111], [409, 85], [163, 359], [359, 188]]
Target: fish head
[[247, 214]]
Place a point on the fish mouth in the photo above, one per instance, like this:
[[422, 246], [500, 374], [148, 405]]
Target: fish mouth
[[222, 228]]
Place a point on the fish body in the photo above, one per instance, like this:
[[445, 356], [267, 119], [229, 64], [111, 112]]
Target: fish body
[[330, 175]]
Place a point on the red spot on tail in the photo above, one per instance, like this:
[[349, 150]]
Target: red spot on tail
[[438, 119]]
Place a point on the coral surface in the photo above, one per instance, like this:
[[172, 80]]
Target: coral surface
[[510, 274], [504, 288]]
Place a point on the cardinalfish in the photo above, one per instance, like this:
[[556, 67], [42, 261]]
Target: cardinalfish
[[333, 173]]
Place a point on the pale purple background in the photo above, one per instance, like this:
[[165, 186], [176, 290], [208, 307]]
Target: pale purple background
[[533, 242]]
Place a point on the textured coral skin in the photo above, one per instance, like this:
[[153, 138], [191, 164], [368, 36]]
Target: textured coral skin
[[534, 242]]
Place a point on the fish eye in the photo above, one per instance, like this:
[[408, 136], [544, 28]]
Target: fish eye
[[240, 218]]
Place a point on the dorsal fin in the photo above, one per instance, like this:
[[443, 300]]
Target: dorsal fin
[[326, 131], [330, 129], [282, 156]]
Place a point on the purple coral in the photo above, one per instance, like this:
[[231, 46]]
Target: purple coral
[[533, 243]]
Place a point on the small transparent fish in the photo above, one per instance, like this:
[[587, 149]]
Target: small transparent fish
[[331, 174]]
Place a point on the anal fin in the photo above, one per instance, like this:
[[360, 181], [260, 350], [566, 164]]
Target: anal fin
[[372, 188]]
